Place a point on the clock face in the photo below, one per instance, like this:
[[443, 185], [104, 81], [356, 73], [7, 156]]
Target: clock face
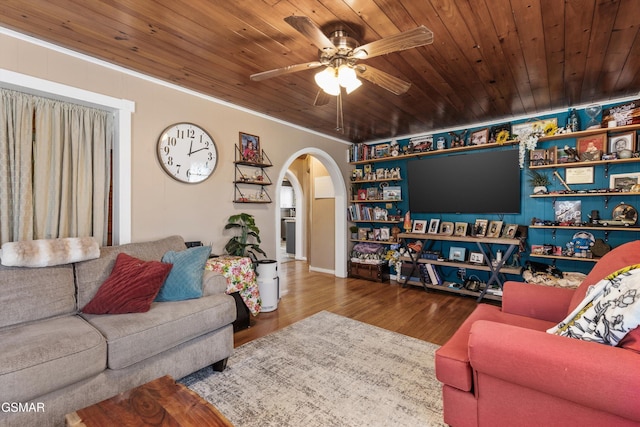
[[187, 152]]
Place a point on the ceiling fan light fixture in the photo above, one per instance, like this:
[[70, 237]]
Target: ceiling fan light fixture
[[347, 78], [328, 81]]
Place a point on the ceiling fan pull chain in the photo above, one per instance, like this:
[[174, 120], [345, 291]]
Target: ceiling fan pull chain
[[339, 116]]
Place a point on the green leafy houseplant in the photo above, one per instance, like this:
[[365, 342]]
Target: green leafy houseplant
[[247, 243], [538, 181]]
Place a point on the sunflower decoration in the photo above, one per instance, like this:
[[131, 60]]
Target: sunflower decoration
[[550, 129], [502, 136]]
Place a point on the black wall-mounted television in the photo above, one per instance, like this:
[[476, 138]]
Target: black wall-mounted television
[[485, 182]]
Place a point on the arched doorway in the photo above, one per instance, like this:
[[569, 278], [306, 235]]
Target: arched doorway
[[340, 205]]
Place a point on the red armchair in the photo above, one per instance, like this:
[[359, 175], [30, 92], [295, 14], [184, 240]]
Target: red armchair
[[501, 368]]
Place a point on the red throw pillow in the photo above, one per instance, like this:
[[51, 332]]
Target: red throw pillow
[[130, 288]]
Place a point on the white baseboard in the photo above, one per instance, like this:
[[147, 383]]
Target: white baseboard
[[322, 270]]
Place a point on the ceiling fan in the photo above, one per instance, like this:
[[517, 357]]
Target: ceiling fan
[[340, 53]]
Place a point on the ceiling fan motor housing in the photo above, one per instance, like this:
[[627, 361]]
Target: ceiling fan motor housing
[[344, 45]]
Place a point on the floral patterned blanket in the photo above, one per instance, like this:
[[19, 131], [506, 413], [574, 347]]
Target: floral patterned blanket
[[608, 312], [240, 277]]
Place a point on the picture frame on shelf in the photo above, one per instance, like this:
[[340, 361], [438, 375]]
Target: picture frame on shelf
[[496, 129], [367, 169], [434, 226], [392, 193], [528, 127], [480, 137], [457, 253], [480, 227], [494, 229], [419, 226], [376, 234], [363, 233], [380, 173], [249, 146], [446, 228], [624, 181], [372, 193], [362, 194], [476, 257], [509, 231], [538, 157], [357, 174], [385, 233], [568, 211], [622, 141], [461, 229], [590, 148]]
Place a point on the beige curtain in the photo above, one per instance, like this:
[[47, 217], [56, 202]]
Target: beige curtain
[[71, 171]]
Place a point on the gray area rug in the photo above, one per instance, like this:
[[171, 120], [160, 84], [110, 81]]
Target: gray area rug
[[326, 370]]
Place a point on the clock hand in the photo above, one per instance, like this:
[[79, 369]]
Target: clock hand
[[190, 147], [193, 152]]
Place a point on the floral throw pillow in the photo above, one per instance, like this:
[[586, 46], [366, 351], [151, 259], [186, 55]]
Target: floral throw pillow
[[610, 310]]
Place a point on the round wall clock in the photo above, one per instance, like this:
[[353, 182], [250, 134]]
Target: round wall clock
[[187, 152]]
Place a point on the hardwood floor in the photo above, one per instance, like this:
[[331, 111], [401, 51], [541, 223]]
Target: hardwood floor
[[431, 316]]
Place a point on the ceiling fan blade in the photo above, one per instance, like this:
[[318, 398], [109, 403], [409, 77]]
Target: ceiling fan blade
[[284, 70], [322, 98], [382, 79], [310, 30], [406, 40]]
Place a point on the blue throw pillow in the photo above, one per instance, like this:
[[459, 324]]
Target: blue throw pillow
[[185, 279]]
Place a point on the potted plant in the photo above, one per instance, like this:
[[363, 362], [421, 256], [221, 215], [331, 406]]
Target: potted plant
[[247, 243], [539, 182], [354, 232]]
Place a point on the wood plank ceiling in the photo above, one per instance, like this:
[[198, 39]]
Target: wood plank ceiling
[[490, 60]]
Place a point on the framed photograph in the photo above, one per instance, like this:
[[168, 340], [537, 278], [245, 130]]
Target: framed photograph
[[446, 228], [392, 193], [480, 227], [476, 258], [579, 175], [357, 174], [372, 193], [510, 231], [376, 234], [363, 233], [385, 233], [380, 173], [249, 146], [531, 126], [480, 137], [460, 229], [495, 227], [622, 141], [434, 226], [367, 169], [419, 226], [537, 157], [457, 254], [624, 181], [591, 147], [362, 194]]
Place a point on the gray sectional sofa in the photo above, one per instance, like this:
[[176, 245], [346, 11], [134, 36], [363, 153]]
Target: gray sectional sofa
[[55, 360]]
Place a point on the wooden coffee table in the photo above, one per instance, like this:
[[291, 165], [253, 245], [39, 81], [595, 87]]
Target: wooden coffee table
[[161, 402]]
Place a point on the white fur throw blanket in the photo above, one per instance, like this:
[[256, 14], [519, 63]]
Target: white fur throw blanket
[[48, 252]]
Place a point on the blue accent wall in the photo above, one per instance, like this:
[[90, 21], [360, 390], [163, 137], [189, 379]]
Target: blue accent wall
[[542, 208]]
